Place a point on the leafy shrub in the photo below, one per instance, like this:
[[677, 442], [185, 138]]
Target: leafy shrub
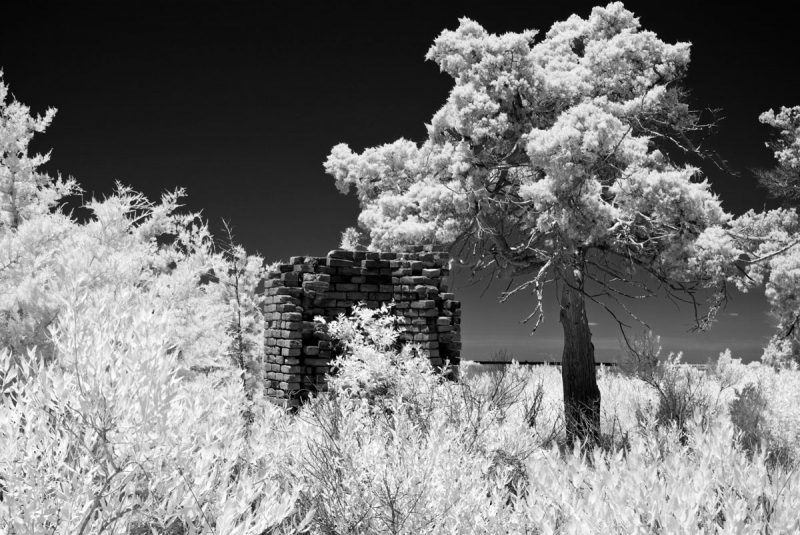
[[756, 416], [96, 440], [370, 364], [683, 392]]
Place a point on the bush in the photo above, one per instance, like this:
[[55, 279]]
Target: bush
[[96, 440], [749, 412], [370, 363], [683, 392]]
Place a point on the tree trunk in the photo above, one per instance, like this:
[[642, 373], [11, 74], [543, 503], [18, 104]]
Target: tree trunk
[[578, 374]]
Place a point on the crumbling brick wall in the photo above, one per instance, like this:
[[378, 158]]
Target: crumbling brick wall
[[298, 353]]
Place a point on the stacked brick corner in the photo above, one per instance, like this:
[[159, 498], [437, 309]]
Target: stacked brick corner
[[298, 353]]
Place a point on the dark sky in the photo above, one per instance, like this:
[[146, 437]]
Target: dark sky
[[240, 102]]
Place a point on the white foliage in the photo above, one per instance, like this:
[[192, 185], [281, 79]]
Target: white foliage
[[24, 190], [544, 148], [787, 149]]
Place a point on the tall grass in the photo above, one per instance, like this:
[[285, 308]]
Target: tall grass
[[111, 437]]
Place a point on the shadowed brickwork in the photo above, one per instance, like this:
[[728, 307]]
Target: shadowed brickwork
[[299, 352]]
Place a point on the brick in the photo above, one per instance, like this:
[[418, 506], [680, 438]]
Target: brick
[[290, 276], [423, 337], [289, 334], [311, 350], [424, 304], [432, 272], [346, 287], [340, 253], [415, 280], [426, 292], [339, 262], [316, 286]]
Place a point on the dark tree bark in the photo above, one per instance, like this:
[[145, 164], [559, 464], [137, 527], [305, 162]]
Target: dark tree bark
[[578, 373]]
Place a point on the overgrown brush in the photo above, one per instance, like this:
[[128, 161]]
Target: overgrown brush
[[110, 438]]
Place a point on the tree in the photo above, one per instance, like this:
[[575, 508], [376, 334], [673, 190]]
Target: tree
[[783, 287], [24, 190], [560, 160], [783, 180]]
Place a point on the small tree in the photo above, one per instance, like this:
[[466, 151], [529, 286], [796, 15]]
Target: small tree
[[24, 190], [560, 160]]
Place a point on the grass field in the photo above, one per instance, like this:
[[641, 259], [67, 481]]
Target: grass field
[[109, 440]]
